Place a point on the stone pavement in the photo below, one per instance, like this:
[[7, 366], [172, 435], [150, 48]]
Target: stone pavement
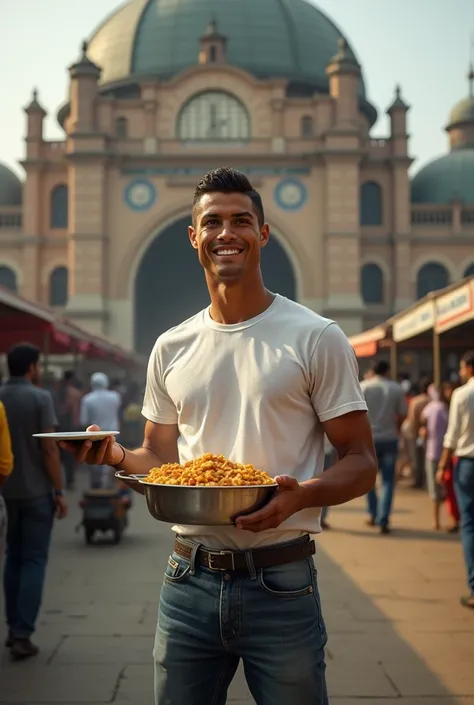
[[397, 635]]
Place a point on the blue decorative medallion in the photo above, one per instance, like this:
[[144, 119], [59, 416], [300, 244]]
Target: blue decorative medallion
[[291, 194], [140, 195]]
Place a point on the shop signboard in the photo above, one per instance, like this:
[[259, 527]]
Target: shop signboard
[[414, 322], [455, 308]]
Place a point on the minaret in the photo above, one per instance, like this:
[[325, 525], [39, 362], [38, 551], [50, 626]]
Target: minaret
[[398, 122], [460, 127], [213, 45], [34, 130], [344, 76], [84, 78]]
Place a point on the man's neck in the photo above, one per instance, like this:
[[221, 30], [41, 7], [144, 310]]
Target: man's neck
[[238, 303]]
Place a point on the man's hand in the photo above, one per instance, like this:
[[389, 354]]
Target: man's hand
[[106, 452], [61, 508], [287, 501]]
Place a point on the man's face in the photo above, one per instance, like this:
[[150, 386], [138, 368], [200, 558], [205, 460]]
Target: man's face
[[465, 371], [227, 236]]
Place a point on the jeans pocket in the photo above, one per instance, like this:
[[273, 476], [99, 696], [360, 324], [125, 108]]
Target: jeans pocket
[[287, 581], [177, 569]]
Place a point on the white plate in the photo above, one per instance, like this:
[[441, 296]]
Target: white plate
[[78, 435]]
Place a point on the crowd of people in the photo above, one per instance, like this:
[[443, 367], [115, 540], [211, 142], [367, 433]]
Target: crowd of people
[[427, 434], [35, 474]]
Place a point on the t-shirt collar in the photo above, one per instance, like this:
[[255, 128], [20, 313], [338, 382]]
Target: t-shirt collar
[[233, 327]]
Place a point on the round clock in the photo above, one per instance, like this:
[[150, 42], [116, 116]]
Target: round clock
[[140, 195], [290, 194]]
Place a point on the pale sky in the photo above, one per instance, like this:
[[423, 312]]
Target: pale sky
[[421, 44]]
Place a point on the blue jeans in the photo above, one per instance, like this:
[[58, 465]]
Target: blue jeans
[[209, 620], [30, 523], [464, 490], [387, 452]]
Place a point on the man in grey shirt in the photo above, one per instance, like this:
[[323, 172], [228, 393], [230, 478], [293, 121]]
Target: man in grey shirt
[[33, 494], [387, 411]]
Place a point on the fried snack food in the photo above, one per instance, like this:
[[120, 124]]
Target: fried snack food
[[208, 471]]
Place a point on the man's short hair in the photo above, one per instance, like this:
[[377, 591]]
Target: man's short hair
[[381, 368], [20, 358], [227, 180], [468, 358]]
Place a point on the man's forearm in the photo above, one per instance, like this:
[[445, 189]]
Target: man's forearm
[[139, 461], [352, 476], [446, 458]]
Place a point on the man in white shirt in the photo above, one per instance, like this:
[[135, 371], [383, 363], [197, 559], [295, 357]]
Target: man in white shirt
[[261, 380], [101, 407], [459, 442]]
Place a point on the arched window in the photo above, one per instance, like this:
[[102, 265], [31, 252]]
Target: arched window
[[306, 127], [371, 284], [58, 287], [213, 54], [59, 206], [430, 277], [469, 270], [371, 212], [121, 128], [8, 278], [213, 116]]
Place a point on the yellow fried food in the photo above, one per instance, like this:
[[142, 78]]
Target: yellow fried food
[[208, 471]]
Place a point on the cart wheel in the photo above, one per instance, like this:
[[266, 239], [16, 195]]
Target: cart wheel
[[89, 535]]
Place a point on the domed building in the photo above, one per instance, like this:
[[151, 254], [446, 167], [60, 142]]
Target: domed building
[[165, 90]]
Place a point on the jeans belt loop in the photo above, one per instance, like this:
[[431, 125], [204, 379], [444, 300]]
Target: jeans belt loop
[[192, 558], [250, 565]]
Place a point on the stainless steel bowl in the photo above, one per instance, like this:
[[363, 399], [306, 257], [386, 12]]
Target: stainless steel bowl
[[209, 506]]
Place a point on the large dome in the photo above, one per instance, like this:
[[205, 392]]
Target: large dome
[[445, 179], [269, 38], [10, 187]]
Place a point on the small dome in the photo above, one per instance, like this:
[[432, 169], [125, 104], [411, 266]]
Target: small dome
[[446, 179], [462, 113], [10, 187]]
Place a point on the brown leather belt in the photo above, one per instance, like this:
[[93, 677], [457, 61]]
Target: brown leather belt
[[235, 560]]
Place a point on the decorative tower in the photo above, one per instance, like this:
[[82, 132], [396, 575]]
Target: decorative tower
[[344, 76], [401, 199], [460, 127], [342, 143], [87, 184], [32, 201], [213, 45]]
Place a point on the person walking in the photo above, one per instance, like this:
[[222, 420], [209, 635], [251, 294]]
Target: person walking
[[69, 403], [387, 411], [101, 407], [259, 379], [33, 494], [6, 467], [413, 423], [459, 442], [434, 423]]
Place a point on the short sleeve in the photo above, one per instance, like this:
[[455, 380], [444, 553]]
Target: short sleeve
[[336, 389], [47, 416], [157, 404]]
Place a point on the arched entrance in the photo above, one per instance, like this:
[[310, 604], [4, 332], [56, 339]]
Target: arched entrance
[[170, 285]]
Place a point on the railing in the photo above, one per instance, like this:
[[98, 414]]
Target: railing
[[379, 142], [430, 216], [10, 220]]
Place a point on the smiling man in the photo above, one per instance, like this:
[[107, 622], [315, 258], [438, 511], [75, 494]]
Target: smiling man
[[261, 380]]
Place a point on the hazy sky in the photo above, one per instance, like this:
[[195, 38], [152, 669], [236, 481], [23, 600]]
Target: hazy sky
[[422, 44]]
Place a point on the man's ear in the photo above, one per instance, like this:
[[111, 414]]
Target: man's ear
[[264, 234], [192, 237]]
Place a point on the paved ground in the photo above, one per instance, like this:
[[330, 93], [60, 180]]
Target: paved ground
[[397, 634]]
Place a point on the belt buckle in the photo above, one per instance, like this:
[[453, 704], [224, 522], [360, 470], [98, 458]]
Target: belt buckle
[[221, 553]]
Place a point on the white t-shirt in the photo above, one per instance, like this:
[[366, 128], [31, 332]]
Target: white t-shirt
[[257, 393]]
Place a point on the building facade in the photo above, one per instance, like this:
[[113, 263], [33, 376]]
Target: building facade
[[164, 91]]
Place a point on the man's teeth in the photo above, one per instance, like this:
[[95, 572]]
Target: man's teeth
[[227, 252]]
